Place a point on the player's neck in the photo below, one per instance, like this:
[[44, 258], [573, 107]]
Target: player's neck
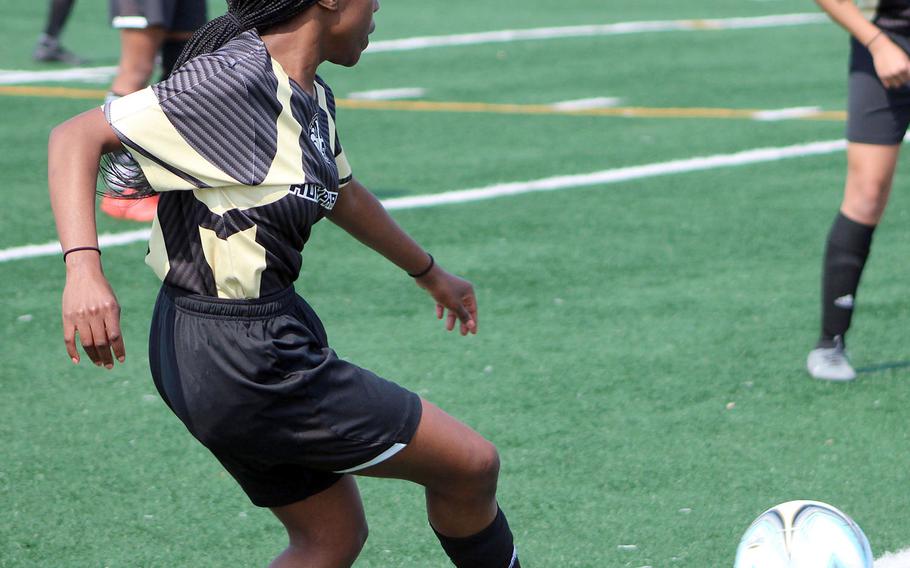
[[295, 44]]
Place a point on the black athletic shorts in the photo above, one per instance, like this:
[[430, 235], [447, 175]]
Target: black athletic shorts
[[875, 115], [172, 15], [256, 382]]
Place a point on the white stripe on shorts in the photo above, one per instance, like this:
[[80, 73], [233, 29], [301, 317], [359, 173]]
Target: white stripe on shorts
[[130, 22], [378, 459]]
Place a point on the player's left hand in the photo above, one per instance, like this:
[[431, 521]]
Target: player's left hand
[[453, 294]]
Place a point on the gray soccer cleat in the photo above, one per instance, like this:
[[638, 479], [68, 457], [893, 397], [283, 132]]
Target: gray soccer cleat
[[830, 363], [48, 49]]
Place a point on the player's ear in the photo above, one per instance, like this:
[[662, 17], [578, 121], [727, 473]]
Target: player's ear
[[331, 5]]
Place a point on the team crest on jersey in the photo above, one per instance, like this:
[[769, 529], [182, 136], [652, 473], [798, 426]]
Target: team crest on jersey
[[317, 139]]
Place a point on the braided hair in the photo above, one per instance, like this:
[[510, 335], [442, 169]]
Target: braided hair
[[242, 15], [120, 174]]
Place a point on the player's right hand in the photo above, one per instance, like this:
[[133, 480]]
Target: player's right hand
[[891, 62], [91, 311]]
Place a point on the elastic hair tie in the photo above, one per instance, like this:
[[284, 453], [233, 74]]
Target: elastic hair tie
[[426, 270], [77, 249]]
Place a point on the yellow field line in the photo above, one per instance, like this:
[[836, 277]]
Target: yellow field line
[[493, 108], [52, 92]]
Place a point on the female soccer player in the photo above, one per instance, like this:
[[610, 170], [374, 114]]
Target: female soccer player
[[241, 145], [879, 113]]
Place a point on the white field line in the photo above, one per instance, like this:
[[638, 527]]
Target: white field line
[[894, 560], [388, 94], [623, 28], [88, 74], [53, 247], [616, 175], [102, 74], [756, 156], [786, 113], [587, 104]]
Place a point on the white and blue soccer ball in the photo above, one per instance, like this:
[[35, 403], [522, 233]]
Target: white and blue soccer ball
[[804, 534]]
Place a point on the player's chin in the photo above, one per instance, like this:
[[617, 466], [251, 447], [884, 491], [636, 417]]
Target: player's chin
[[348, 59]]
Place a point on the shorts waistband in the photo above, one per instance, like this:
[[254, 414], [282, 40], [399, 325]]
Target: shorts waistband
[[263, 307]]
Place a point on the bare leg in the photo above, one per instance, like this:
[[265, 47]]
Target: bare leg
[[458, 468], [870, 173], [138, 49], [327, 530]]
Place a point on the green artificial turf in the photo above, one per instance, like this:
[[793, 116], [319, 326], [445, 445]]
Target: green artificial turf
[[640, 358]]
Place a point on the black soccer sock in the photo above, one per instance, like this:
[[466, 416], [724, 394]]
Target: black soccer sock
[[170, 53], [57, 16], [490, 548], [845, 256]]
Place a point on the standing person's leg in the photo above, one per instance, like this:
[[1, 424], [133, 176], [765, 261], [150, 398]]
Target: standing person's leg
[[459, 470], [171, 49], [138, 49], [184, 18], [870, 172], [57, 15], [877, 120], [147, 29], [49, 47]]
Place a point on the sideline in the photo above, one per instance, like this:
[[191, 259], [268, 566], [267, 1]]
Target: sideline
[[616, 175]]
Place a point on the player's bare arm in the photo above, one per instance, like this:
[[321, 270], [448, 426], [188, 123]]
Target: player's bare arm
[[891, 62], [362, 215], [90, 309]]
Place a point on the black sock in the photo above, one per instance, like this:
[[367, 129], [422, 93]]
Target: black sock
[[845, 256], [170, 52], [490, 548], [57, 16]]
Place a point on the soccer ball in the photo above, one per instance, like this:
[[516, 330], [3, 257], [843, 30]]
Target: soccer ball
[[803, 534]]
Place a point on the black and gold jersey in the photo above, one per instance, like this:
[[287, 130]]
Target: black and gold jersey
[[893, 15], [245, 162]]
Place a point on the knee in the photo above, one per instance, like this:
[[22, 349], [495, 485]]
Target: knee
[[481, 472], [865, 198]]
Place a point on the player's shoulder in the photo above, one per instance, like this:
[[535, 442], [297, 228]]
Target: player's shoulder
[[228, 71]]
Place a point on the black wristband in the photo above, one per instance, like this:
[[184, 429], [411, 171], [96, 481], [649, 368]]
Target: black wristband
[[77, 249], [426, 270]]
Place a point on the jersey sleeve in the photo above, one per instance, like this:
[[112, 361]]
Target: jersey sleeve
[[213, 123], [167, 160]]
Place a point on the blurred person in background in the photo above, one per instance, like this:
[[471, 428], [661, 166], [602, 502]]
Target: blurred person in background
[[48, 47], [149, 29], [878, 116]]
